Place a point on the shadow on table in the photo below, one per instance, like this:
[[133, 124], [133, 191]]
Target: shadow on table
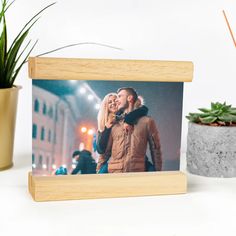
[[22, 160], [197, 183]]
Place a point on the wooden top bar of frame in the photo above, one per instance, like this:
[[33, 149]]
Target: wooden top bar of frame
[[110, 69]]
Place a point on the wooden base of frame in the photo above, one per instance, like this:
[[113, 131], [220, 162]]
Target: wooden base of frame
[[72, 187]]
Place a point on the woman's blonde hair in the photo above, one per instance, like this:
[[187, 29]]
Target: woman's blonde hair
[[104, 112], [139, 102]]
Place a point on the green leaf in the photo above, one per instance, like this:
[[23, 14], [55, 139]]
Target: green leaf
[[213, 106], [202, 115], [208, 120], [194, 114], [216, 112], [3, 49], [228, 118], [193, 117], [219, 112], [18, 69], [25, 26], [12, 69], [3, 10], [234, 118], [9, 59], [232, 111], [204, 110], [12, 54]]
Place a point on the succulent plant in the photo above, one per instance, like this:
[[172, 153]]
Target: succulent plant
[[219, 115]]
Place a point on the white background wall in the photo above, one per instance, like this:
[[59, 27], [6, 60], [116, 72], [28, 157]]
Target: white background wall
[[144, 29]]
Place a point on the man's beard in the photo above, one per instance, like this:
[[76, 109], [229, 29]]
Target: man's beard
[[125, 106], [120, 113]]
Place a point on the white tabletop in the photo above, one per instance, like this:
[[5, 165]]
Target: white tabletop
[[207, 209]]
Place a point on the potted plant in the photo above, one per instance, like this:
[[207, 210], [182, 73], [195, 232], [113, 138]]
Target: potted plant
[[211, 142], [12, 58]]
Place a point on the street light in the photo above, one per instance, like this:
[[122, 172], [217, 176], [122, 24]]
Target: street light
[[90, 97], [82, 90], [83, 129], [90, 132], [97, 106], [72, 81], [54, 167]]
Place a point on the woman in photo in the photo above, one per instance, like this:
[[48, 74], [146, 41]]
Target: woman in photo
[[107, 116]]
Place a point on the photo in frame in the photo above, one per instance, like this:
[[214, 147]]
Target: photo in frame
[[69, 96], [69, 115]]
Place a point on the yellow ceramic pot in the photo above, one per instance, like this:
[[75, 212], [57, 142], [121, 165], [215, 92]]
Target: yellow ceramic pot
[[8, 108]]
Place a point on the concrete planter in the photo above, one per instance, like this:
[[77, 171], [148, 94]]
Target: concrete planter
[[211, 151]]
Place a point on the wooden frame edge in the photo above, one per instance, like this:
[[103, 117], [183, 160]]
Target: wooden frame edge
[[32, 67], [72, 187], [110, 69]]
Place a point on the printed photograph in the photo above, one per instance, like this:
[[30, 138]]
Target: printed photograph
[[105, 127]]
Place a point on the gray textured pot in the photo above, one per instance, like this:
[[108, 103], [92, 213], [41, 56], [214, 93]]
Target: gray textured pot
[[211, 151]]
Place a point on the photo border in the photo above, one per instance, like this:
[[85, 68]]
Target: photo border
[[52, 188]]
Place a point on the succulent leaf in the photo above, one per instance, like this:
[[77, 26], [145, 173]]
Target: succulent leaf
[[204, 110], [219, 114], [208, 120]]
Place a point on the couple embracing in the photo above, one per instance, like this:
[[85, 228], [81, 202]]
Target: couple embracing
[[124, 132]]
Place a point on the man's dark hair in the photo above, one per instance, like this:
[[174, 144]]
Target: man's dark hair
[[76, 153], [83, 152], [130, 91]]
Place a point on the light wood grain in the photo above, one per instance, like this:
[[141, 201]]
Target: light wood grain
[[30, 185], [115, 70], [54, 188]]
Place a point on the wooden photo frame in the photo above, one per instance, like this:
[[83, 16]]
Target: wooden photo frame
[[52, 188]]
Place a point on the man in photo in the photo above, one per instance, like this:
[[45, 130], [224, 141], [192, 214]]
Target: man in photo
[[108, 115], [85, 162], [127, 148]]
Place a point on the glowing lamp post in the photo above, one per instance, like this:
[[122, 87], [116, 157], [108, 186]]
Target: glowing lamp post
[[83, 130]]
